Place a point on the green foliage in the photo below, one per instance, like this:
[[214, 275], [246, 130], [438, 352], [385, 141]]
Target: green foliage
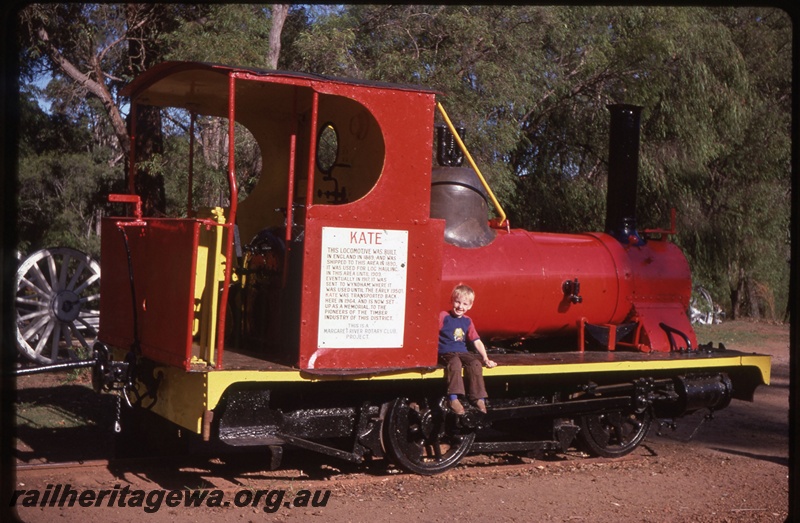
[[209, 183], [530, 84], [223, 33], [324, 46], [61, 183], [59, 201], [737, 194]]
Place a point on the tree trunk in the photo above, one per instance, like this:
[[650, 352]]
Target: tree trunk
[[736, 295], [279, 13], [93, 85], [754, 309]]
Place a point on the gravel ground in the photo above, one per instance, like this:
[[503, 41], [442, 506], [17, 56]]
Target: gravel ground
[[734, 468]]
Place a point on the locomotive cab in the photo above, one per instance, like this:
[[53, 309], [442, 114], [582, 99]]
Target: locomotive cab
[[302, 271]]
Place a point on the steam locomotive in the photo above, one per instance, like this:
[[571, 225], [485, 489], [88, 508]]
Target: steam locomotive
[[305, 315]]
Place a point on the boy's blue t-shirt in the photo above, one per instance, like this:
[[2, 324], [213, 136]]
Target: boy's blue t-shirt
[[454, 333]]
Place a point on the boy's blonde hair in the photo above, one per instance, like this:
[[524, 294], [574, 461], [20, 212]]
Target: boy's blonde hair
[[462, 291]]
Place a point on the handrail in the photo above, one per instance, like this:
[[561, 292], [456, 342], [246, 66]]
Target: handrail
[[501, 221], [230, 223]]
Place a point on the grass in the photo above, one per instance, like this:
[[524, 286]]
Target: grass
[[48, 416], [80, 375], [739, 334]]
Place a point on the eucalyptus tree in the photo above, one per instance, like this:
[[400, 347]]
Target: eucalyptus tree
[[64, 153], [531, 84], [236, 34], [253, 35], [86, 52], [741, 194]]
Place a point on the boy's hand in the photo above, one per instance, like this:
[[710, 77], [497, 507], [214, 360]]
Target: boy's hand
[[490, 363]]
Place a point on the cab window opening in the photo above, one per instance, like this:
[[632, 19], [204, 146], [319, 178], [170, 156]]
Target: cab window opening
[[195, 161], [349, 152], [326, 158], [327, 148]]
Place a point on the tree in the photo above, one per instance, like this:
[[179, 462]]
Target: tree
[[90, 50], [237, 34], [76, 55], [60, 181], [279, 14], [751, 177], [71, 152], [531, 85]]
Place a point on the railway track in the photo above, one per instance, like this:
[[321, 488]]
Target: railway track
[[303, 465], [94, 463], [64, 465]]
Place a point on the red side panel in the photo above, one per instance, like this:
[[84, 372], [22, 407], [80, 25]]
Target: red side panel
[[349, 313], [163, 256], [370, 305]]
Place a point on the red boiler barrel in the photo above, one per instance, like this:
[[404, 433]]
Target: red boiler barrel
[[519, 281]]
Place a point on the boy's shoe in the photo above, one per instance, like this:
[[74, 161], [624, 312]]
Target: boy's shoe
[[456, 407], [481, 405]]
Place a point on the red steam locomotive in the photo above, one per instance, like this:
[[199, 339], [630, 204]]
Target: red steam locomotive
[[305, 315]]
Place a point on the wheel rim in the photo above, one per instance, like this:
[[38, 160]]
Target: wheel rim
[[701, 307], [57, 304], [613, 434], [419, 440]]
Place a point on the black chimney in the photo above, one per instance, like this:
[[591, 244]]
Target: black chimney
[[623, 173]]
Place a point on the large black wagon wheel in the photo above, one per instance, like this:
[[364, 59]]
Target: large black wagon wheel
[[416, 439], [57, 304], [613, 434]]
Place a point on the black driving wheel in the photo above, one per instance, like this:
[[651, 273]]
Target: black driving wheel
[[416, 438], [613, 434]]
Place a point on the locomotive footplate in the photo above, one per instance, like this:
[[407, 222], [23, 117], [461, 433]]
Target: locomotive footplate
[[748, 369], [604, 402]]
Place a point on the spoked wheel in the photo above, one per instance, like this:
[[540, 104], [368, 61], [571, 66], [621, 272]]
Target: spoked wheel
[[701, 307], [613, 434], [416, 438], [57, 304]]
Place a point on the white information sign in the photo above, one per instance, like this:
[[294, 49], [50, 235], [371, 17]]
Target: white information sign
[[362, 288]]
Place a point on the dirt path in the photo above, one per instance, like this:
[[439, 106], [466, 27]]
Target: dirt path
[[733, 468]]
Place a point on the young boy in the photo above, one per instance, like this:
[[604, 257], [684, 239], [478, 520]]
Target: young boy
[[455, 329]]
